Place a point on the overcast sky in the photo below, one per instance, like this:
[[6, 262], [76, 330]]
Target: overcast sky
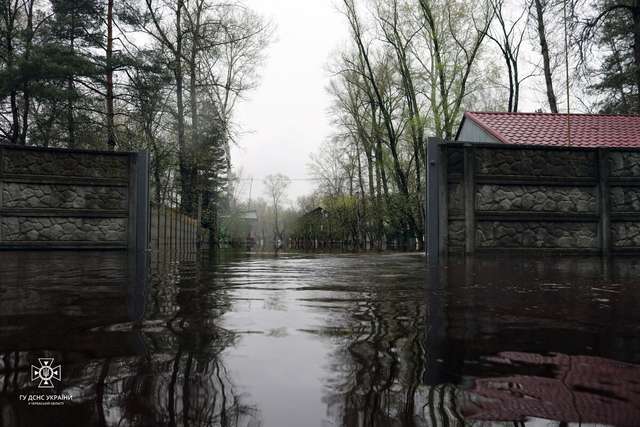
[[286, 118], [287, 114]]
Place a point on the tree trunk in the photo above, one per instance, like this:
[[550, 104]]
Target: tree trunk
[[183, 157], [9, 20], [635, 11], [71, 128], [544, 48], [362, 214], [195, 131], [15, 121], [193, 100], [111, 139], [25, 86]]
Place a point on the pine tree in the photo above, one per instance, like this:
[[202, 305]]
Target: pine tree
[[616, 29], [77, 29]]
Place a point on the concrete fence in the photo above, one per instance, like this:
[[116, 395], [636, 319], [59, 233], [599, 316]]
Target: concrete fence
[[497, 197], [72, 199]]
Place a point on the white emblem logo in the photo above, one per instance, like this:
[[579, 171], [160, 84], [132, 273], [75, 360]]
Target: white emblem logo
[[46, 372]]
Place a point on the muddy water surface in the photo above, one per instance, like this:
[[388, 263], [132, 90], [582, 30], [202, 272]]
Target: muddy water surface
[[320, 340]]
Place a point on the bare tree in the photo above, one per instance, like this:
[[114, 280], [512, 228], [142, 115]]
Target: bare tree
[[541, 7], [508, 36], [412, 68], [111, 139], [389, 16], [387, 98], [455, 33], [276, 187], [168, 31]]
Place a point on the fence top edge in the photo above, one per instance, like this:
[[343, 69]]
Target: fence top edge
[[499, 145], [69, 150]]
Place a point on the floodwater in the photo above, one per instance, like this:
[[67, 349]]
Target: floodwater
[[319, 340]]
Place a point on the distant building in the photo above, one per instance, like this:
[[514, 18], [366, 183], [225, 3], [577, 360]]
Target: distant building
[[245, 227], [583, 130], [250, 218]]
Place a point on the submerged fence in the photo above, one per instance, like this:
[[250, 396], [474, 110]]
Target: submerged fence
[[81, 199], [173, 231], [72, 199], [499, 197]]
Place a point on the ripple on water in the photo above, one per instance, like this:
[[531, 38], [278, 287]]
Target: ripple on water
[[299, 339]]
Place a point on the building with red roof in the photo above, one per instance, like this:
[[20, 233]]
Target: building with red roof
[[577, 130]]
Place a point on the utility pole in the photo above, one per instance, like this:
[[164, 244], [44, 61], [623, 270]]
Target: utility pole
[[566, 68]]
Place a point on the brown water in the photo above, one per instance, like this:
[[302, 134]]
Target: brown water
[[320, 340]]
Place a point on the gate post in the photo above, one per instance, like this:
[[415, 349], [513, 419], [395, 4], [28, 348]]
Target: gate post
[[435, 244]]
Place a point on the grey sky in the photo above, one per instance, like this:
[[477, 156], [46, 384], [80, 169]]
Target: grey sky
[[287, 114]]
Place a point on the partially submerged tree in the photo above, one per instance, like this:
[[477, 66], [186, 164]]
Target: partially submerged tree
[[276, 188], [159, 75]]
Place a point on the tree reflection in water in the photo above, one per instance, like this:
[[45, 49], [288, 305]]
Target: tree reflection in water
[[482, 342], [380, 358], [164, 368], [499, 347]]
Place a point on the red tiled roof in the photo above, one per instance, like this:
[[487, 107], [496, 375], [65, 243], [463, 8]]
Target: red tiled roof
[[587, 130]]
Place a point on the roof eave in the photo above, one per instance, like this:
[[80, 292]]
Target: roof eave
[[478, 121], [464, 116]]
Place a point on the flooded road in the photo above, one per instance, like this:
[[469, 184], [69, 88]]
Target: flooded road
[[320, 340]]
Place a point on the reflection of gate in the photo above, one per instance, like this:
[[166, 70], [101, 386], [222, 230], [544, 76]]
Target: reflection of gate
[[73, 199]]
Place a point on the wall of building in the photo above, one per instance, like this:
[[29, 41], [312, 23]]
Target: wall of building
[[486, 197], [51, 198], [471, 132]]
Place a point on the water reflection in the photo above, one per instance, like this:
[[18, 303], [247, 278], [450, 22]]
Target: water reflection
[[300, 340], [132, 353]]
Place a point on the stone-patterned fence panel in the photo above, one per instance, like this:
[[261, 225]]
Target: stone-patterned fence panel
[[72, 199], [498, 197]]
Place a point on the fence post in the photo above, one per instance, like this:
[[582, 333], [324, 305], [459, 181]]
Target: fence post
[[164, 231], [433, 201], [199, 221], [138, 201], [158, 228], [169, 212], [605, 202], [469, 200], [175, 227]]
